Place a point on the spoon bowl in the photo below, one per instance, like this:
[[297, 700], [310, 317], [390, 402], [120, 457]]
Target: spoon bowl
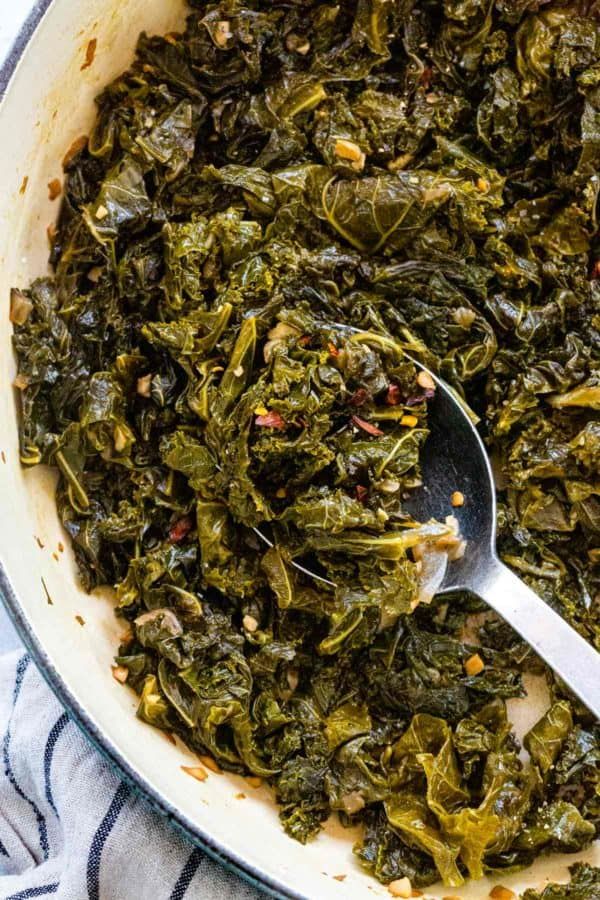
[[454, 459]]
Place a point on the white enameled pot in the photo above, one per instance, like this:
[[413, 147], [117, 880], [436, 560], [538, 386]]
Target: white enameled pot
[[47, 105]]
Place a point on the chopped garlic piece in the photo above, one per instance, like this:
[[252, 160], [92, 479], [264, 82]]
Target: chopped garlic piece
[[144, 385], [211, 764], [474, 665], [351, 152], [347, 150], [409, 421], [400, 888], [502, 893], [401, 162], [197, 772], [425, 381], [250, 623], [297, 44], [222, 33], [120, 673], [282, 330], [21, 382], [464, 316]]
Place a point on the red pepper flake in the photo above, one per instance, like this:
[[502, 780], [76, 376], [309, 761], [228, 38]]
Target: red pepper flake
[[367, 426], [426, 77], [180, 528], [271, 420], [359, 397], [333, 350], [393, 396], [305, 340], [425, 395], [595, 270], [361, 493]]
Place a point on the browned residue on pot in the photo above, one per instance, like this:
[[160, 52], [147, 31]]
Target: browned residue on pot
[[49, 600], [54, 189], [77, 145], [90, 52]]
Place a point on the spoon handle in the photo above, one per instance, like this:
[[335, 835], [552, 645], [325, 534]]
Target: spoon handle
[[552, 638]]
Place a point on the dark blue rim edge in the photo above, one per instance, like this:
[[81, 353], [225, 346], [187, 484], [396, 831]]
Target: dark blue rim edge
[[230, 861], [20, 43]]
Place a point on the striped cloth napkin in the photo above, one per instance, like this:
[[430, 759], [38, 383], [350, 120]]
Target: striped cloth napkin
[[69, 827]]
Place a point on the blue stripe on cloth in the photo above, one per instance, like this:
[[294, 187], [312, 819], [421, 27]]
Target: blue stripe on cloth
[[35, 891], [104, 829], [41, 822], [187, 873], [55, 733], [3, 850]]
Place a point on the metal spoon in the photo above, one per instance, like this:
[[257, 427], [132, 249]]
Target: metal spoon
[[454, 459]]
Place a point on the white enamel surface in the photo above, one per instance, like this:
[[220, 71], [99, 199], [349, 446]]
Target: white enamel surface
[[48, 105]]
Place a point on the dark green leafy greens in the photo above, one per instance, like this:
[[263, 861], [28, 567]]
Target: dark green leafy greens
[[584, 885], [426, 172]]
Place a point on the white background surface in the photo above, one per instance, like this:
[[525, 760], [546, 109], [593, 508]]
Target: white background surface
[[12, 14]]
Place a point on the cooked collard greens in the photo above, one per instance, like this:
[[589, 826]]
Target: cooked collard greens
[[426, 172]]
